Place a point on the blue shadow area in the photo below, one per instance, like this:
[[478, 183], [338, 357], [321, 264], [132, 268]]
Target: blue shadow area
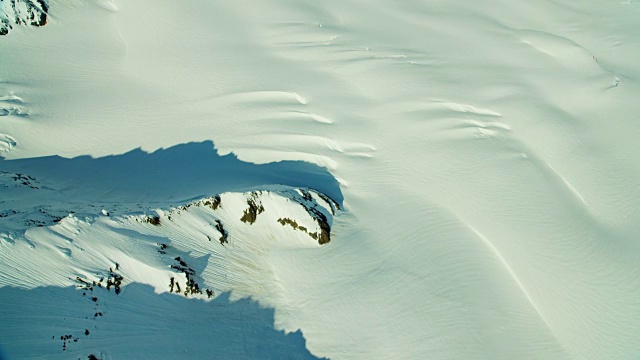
[[167, 175], [54, 322]]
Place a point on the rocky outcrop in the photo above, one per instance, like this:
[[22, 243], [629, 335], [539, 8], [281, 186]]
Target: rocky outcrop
[[315, 220], [22, 12]]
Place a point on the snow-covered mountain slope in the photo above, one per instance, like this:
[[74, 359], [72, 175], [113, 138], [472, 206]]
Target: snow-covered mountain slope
[[22, 12], [100, 231], [90, 280], [484, 155], [228, 226]]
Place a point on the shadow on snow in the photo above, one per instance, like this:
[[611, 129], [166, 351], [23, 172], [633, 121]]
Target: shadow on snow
[[139, 324], [167, 176]]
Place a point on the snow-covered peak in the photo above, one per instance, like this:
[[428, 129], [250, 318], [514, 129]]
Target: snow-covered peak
[[227, 244], [22, 12]]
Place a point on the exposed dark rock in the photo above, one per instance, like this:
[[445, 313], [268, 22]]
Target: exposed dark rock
[[323, 237], [162, 249], [114, 280], [251, 214], [287, 221], [223, 232], [213, 202], [334, 205], [216, 202], [153, 220], [306, 195], [325, 229]]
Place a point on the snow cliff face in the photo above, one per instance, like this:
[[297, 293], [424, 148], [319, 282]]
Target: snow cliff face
[[22, 12]]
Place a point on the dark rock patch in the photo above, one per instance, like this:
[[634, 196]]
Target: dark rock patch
[[251, 214]]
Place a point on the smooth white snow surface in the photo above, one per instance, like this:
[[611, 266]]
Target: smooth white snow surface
[[487, 152]]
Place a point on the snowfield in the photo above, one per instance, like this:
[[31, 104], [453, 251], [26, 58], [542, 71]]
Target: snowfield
[[416, 179]]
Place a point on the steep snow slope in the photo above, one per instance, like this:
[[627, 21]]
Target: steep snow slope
[[486, 150]]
